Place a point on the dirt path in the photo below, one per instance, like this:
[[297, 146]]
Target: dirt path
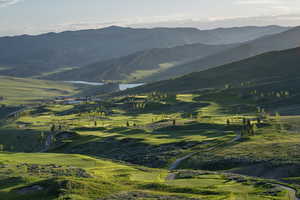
[[16, 112], [176, 163], [291, 190]]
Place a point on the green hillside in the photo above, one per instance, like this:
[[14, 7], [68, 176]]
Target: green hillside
[[77, 177], [15, 91], [54, 52], [125, 148], [267, 69], [226, 133]]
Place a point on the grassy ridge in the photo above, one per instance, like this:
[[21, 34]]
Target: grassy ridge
[[270, 68], [20, 91], [140, 65], [100, 130]]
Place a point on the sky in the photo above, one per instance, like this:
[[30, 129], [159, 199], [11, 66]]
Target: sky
[[39, 16]]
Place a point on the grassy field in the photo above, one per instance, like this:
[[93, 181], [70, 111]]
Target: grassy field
[[143, 74], [147, 133], [61, 176], [123, 148], [60, 70], [24, 91]]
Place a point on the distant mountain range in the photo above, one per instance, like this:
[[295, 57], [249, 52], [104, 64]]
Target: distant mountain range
[[29, 56], [160, 64], [279, 70], [140, 65], [281, 41]]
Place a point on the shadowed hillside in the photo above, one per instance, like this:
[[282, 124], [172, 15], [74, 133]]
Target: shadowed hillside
[[281, 41], [266, 68], [139, 65], [54, 52]]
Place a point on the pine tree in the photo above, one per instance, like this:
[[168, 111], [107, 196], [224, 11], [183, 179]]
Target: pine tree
[[52, 129], [254, 129], [42, 136], [258, 120], [1, 147], [228, 122]]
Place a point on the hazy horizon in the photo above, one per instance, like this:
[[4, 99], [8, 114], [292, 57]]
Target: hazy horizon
[[36, 17]]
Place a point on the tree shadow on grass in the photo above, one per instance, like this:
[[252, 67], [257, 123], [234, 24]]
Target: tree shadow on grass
[[89, 129], [11, 181], [21, 140], [127, 131], [132, 150], [202, 127], [185, 108]]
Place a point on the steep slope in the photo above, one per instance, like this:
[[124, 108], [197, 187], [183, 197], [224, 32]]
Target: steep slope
[[279, 67], [32, 55], [281, 41], [141, 64], [243, 34]]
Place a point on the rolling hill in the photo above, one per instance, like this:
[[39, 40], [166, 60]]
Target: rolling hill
[[141, 64], [15, 91], [282, 41], [27, 56], [280, 68]]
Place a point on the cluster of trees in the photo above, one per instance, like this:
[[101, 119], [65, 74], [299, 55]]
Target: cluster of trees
[[99, 112], [154, 100], [5, 148], [42, 138], [278, 94], [59, 127], [128, 124], [139, 105], [160, 96], [265, 115], [279, 124], [250, 126], [228, 86], [242, 84], [103, 110]]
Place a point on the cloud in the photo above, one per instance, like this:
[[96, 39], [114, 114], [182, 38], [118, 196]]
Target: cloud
[[259, 2], [210, 23], [186, 21], [162, 21], [5, 3], [272, 6]]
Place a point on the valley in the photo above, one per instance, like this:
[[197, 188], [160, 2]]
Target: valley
[[112, 112]]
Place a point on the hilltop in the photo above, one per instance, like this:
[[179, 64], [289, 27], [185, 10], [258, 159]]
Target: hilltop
[[267, 68], [56, 52], [281, 41]]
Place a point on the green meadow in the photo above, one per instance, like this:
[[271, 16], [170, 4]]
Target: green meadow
[[124, 147], [16, 91]]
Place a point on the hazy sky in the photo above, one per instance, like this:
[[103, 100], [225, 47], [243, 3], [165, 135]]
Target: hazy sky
[[36, 16]]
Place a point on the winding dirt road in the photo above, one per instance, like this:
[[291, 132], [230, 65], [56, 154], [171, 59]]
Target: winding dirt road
[[176, 163]]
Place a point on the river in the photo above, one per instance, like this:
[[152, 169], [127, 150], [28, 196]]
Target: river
[[121, 86]]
